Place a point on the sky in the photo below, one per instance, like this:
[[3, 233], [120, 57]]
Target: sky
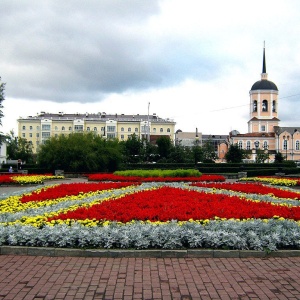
[[194, 61]]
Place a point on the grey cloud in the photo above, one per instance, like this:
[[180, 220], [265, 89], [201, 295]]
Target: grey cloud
[[75, 50]]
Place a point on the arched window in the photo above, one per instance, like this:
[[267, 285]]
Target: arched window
[[129, 129], [63, 128], [285, 145], [70, 128], [122, 129], [297, 145], [274, 106], [136, 129], [265, 105], [248, 145], [255, 105], [88, 129], [240, 145], [265, 145], [168, 130], [161, 130], [95, 128], [154, 129]]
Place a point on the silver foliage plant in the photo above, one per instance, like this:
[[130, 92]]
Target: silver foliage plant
[[252, 235]]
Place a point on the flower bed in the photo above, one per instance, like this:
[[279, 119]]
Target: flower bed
[[23, 179], [113, 177], [169, 215], [274, 180]]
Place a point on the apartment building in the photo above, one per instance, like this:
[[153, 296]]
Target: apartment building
[[37, 129]]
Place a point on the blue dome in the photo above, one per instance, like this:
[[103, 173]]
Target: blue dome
[[264, 85]]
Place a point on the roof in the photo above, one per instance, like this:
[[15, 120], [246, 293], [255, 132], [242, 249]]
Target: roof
[[99, 116], [264, 84]]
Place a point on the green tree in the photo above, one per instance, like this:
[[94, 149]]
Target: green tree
[[132, 149], [261, 156], [19, 148], [164, 146], [278, 157], [80, 152], [235, 154], [209, 154]]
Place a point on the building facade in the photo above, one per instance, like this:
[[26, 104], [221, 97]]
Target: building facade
[[37, 129], [264, 132]]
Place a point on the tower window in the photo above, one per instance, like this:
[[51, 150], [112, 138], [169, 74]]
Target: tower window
[[274, 106], [255, 106], [265, 105]]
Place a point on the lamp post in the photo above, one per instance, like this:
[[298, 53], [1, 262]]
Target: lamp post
[[196, 146], [295, 130], [286, 138], [256, 143]]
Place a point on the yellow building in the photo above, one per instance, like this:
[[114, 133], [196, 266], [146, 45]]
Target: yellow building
[[37, 129], [264, 132]]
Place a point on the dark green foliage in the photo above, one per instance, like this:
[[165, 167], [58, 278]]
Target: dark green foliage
[[19, 148], [164, 146], [235, 154], [80, 152], [278, 157]]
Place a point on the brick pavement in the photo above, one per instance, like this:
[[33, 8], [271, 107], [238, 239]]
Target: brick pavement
[[40, 277]]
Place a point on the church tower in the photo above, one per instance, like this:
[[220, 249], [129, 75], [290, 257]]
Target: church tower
[[263, 104]]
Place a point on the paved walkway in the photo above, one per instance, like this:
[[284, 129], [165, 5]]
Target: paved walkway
[[37, 277], [42, 277]]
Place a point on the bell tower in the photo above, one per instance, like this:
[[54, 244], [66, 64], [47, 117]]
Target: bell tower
[[263, 103]]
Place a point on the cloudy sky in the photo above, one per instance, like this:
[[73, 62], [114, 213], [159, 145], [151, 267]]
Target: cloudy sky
[[194, 61]]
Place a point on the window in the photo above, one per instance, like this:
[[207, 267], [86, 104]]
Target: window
[[37, 135], [38, 127], [240, 145], [88, 128], [254, 105], [56, 128], [248, 145], [45, 134], [23, 135], [111, 135], [265, 105], [161, 130], [263, 128], [111, 129], [30, 127], [78, 127], [285, 145], [274, 106], [102, 128], [168, 130], [122, 128], [297, 145], [129, 129], [70, 128], [46, 127], [23, 127], [63, 128], [154, 130], [30, 134], [122, 136], [265, 145], [95, 128], [56, 135], [136, 129]]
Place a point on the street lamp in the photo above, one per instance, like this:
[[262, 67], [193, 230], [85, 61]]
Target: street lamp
[[286, 139], [256, 143], [295, 130]]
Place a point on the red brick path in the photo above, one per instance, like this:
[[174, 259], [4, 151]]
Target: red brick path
[[38, 277]]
